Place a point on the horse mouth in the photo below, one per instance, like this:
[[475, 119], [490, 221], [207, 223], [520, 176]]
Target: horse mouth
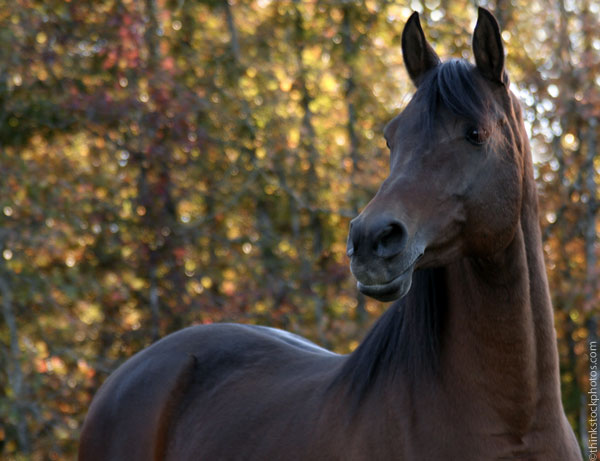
[[391, 290]]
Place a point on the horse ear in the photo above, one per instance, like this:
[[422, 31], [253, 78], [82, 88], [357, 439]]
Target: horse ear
[[419, 56], [488, 48]]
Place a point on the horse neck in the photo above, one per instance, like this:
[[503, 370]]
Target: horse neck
[[500, 326]]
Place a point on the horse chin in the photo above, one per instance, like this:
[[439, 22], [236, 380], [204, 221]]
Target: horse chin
[[391, 290]]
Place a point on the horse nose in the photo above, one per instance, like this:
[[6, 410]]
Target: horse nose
[[389, 238], [384, 238]]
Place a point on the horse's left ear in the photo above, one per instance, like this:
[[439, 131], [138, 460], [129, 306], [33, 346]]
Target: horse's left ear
[[488, 48], [419, 56]]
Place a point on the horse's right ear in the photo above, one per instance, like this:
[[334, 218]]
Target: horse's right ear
[[488, 48], [419, 56]]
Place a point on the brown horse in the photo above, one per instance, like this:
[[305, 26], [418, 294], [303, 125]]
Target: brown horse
[[463, 367]]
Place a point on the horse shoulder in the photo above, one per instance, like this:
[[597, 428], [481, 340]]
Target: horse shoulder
[[130, 416]]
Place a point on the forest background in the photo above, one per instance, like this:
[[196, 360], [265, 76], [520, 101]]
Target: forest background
[[167, 163]]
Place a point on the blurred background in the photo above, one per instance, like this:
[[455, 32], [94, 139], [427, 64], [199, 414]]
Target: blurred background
[[167, 163]]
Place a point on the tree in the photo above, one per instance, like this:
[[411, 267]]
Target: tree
[[166, 163]]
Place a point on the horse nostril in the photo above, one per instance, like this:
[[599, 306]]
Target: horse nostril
[[353, 236], [349, 250], [349, 247], [390, 240]]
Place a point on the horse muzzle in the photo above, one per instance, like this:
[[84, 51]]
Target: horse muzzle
[[391, 290], [382, 257]]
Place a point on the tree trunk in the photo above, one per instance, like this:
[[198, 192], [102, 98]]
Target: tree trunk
[[14, 371], [308, 143], [349, 53]]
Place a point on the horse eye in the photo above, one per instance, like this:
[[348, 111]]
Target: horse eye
[[476, 136]]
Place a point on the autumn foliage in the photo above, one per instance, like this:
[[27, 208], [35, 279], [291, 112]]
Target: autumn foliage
[[167, 163]]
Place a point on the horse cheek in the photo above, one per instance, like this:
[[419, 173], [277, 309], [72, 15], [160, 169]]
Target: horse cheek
[[493, 215]]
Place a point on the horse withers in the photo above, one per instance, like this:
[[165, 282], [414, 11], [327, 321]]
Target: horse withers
[[463, 366]]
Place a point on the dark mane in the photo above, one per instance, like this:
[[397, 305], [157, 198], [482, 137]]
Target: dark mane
[[406, 339], [456, 85]]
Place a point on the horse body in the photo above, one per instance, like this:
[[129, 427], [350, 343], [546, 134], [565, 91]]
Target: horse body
[[234, 392], [213, 371], [463, 366]]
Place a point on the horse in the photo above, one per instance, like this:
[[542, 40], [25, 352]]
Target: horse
[[462, 366]]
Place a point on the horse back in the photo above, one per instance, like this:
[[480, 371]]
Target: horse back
[[137, 412]]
